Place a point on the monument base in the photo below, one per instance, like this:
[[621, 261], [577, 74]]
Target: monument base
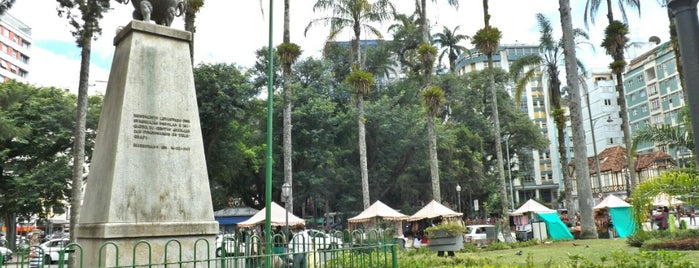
[[147, 198]]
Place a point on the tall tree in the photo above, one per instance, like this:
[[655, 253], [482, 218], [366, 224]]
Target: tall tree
[[614, 43], [36, 159], [288, 53], [548, 60], [487, 41], [191, 9], [582, 171], [84, 16], [449, 41], [356, 15], [421, 10], [433, 97]]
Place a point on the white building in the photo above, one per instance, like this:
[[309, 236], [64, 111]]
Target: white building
[[15, 43]]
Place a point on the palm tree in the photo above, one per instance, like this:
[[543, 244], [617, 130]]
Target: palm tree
[[356, 15], [6, 5], [353, 14], [549, 59], [421, 6], [449, 41], [614, 43], [675, 137], [433, 97], [487, 41], [288, 53], [582, 170]]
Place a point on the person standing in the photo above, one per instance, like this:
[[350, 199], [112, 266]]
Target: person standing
[[692, 216]]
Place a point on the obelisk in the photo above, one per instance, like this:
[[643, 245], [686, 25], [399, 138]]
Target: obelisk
[[148, 179]]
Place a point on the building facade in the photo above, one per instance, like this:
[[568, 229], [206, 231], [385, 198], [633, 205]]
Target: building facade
[[15, 45], [655, 97], [544, 182]]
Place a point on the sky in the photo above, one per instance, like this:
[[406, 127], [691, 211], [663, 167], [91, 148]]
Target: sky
[[229, 31]]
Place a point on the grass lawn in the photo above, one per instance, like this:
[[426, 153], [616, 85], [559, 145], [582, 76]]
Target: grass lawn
[[550, 254], [556, 253]]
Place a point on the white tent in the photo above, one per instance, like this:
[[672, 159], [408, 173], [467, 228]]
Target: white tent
[[612, 201], [433, 210], [378, 210], [532, 206], [278, 217], [664, 199]]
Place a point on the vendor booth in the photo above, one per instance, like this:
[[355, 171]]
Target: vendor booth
[[619, 212], [534, 220], [280, 217], [434, 211]]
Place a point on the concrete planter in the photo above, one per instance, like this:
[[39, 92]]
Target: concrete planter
[[443, 241]]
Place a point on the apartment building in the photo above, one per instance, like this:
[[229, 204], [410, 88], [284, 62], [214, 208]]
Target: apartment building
[[654, 96], [15, 44]]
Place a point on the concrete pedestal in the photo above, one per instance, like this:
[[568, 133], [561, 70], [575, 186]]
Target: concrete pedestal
[[148, 179]]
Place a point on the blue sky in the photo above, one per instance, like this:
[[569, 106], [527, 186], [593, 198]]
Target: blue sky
[[230, 32]]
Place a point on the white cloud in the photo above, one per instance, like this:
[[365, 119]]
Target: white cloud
[[230, 31]]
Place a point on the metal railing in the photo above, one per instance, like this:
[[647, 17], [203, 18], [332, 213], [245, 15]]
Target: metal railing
[[358, 248]]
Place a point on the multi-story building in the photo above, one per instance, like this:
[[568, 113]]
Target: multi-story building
[[544, 181], [15, 43], [654, 96], [601, 120]]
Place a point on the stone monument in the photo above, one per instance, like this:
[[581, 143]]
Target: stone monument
[[148, 179]]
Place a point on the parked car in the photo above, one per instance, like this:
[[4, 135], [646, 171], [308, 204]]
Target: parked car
[[48, 252], [318, 239], [478, 234], [6, 254], [232, 245]]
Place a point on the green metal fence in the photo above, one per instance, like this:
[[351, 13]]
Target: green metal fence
[[358, 248]]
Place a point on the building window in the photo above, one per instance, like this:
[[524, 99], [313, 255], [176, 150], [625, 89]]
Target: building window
[[610, 141], [607, 102], [654, 105]]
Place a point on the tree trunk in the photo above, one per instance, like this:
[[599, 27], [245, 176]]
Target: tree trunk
[[567, 178], [362, 151], [504, 220], [582, 171], [434, 162], [288, 171], [621, 99], [423, 23]]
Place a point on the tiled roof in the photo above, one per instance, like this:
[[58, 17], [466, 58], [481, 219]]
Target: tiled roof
[[613, 159], [646, 160]]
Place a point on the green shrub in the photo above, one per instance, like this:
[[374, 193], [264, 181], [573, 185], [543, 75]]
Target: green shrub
[[497, 246], [683, 225], [452, 229]]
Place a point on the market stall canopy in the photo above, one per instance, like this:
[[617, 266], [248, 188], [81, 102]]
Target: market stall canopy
[[433, 210], [278, 217], [620, 214], [664, 199], [532, 206], [378, 210], [612, 201]]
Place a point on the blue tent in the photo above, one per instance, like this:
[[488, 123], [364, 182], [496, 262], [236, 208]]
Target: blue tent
[[621, 214], [556, 228]]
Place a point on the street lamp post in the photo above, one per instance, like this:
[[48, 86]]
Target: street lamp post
[[286, 190], [458, 196], [594, 141], [509, 173]]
